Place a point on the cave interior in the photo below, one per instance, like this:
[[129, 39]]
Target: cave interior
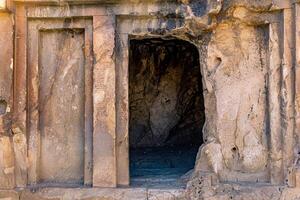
[[167, 111]]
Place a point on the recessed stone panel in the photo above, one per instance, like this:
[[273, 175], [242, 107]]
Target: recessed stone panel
[[61, 106]]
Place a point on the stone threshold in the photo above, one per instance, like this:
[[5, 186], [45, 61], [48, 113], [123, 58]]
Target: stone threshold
[[92, 194]]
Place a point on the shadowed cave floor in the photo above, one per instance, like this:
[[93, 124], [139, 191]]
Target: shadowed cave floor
[[161, 167]]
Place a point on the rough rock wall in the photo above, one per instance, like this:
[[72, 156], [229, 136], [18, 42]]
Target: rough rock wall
[[236, 99], [6, 77], [165, 92]]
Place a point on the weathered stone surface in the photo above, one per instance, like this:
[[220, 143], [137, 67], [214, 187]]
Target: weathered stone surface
[[21, 162], [161, 194], [20, 79], [239, 92], [249, 59], [274, 101], [204, 186], [6, 59], [104, 137], [7, 166], [73, 73], [225, 192], [9, 195], [61, 104], [84, 194], [290, 194], [122, 108], [297, 74]]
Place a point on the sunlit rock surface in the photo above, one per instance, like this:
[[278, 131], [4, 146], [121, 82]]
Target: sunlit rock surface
[[82, 83]]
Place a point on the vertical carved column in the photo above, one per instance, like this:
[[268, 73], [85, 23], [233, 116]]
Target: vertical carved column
[[274, 104], [33, 130], [287, 92], [122, 109], [88, 145], [297, 72], [19, 97], [104, 152]]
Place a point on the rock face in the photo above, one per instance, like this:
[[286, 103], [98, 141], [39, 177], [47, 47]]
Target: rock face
[[82, 82], [7, 164], [165, 94], [238, 90]]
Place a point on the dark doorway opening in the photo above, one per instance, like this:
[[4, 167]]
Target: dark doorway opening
[[166, 111]]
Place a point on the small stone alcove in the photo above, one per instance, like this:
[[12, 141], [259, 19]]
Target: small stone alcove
[[166, 107]]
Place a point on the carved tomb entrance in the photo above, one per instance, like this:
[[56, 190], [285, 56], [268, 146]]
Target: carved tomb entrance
[[166, 110]]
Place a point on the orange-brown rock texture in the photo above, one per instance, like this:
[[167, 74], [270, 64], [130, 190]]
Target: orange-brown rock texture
[[84, 84]]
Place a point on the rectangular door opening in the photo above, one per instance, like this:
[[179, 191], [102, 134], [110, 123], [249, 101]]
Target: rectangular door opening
[[166, 108]]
